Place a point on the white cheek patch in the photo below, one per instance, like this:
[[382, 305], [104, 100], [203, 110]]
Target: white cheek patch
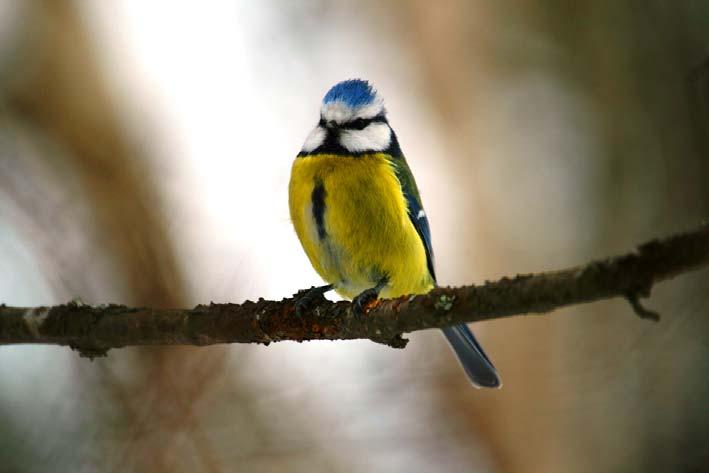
[[375, 137], [314, 139]]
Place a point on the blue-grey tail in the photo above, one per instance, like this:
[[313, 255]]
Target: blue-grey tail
[[475, 362]]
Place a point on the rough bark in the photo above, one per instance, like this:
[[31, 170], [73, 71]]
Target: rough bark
[[92, 330]]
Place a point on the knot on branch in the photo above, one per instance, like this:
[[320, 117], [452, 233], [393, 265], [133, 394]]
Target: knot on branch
[[640, 311]]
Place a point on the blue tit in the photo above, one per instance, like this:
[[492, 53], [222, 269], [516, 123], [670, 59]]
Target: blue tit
[[358, 214]]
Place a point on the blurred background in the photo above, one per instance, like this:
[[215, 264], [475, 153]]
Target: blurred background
[[145, 151]]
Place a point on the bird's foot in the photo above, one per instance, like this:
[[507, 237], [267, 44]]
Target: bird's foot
[[307, 297], [367, 299]]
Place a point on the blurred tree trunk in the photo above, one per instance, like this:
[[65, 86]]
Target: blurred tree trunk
[[63, 94], [77, 183], [577, 386], [106, 182]]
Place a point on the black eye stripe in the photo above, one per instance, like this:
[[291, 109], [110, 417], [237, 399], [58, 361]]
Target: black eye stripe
[[358, 124], [362, 123]]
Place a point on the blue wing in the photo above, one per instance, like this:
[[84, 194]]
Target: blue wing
[[471, 355], [415, 209]]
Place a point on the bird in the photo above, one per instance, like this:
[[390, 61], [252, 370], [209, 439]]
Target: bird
[[358, 214]]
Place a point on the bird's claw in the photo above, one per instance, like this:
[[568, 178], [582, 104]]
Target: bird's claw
[[307, 297], [364, 301]]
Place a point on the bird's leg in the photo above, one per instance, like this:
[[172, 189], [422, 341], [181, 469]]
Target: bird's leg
[[306, 297], [363, 299]]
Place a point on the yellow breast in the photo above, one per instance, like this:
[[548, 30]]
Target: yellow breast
[[365, 232]]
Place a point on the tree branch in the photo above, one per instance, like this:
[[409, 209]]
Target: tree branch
[[94, 329]]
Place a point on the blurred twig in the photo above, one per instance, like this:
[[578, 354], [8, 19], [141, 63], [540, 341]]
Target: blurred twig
[[93, 330]]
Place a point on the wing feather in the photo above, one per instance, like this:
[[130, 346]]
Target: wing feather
[[417, 214]]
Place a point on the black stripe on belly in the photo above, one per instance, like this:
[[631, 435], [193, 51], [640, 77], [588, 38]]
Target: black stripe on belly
[[318, 200]]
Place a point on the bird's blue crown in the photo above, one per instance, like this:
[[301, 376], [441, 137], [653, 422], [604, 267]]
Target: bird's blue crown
[[353, 92]]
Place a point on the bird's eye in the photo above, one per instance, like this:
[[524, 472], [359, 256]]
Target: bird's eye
[[359, 124]]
